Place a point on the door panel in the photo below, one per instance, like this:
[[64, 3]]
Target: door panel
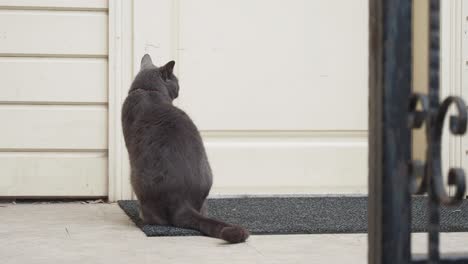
[[283, 162], [272, 65]]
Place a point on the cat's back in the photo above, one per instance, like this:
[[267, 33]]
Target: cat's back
[[147, 121]]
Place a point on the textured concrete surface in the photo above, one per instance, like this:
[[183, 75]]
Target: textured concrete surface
[[102, 233]]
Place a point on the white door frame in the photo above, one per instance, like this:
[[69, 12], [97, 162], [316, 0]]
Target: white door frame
[[131, 36], [451, 72], [120, 77]]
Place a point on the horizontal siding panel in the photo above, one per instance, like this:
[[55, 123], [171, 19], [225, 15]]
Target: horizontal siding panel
[[322, 163], [56, 4], [53, 80], [58, 32], [53, 174], [53, 127]]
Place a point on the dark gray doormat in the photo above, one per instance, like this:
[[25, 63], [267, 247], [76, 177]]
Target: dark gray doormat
[[302, 215]]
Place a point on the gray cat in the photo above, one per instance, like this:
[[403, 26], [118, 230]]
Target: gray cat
[[170, 173]]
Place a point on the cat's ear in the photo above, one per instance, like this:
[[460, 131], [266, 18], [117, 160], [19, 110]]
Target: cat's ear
[[146, 62], [168, 69]]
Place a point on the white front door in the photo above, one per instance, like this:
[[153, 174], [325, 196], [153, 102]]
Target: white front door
[[277, 88]]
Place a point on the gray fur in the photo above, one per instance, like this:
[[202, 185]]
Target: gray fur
[[170, 173]]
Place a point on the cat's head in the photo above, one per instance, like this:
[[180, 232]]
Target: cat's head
[[159, 79]]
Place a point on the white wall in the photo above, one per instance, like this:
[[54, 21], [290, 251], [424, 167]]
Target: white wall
[[53, 98]]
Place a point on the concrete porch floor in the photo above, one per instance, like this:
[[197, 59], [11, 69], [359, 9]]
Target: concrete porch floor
[[102, 233]]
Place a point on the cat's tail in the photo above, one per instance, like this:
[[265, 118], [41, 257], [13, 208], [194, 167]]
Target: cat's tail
[[216, 228]]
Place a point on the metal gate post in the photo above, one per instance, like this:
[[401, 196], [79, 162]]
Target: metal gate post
[[389, 134]]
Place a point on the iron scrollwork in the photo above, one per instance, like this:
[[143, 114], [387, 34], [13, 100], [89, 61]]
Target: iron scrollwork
[[429, 175]]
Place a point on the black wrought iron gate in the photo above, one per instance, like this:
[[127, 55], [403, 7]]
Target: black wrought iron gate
[[394, 112]]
